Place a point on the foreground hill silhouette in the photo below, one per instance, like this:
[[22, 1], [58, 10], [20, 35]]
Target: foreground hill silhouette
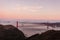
[[9, 32], [49, 35]]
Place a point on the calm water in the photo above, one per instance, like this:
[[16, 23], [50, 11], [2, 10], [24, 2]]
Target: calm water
[[30, 29]]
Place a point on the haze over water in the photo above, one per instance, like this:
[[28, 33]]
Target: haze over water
[[34, 11], [29, 29]]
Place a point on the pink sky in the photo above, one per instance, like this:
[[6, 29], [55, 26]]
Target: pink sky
[[46, 9], [29, 16]]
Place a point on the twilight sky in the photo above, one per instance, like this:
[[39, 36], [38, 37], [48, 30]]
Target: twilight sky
[[30, 9]]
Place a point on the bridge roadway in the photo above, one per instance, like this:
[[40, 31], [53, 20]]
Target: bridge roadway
[[45, 24]]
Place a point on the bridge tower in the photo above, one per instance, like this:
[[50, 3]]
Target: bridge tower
[[17, 23], [47, 25], [22, 24]]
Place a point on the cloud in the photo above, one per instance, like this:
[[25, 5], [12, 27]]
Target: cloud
[[21, 8], [28, 8]]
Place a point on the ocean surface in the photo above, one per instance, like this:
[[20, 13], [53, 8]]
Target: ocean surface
[[29, 29]]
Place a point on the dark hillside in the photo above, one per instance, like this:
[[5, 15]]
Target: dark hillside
[[49, 35], [9, 32]]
